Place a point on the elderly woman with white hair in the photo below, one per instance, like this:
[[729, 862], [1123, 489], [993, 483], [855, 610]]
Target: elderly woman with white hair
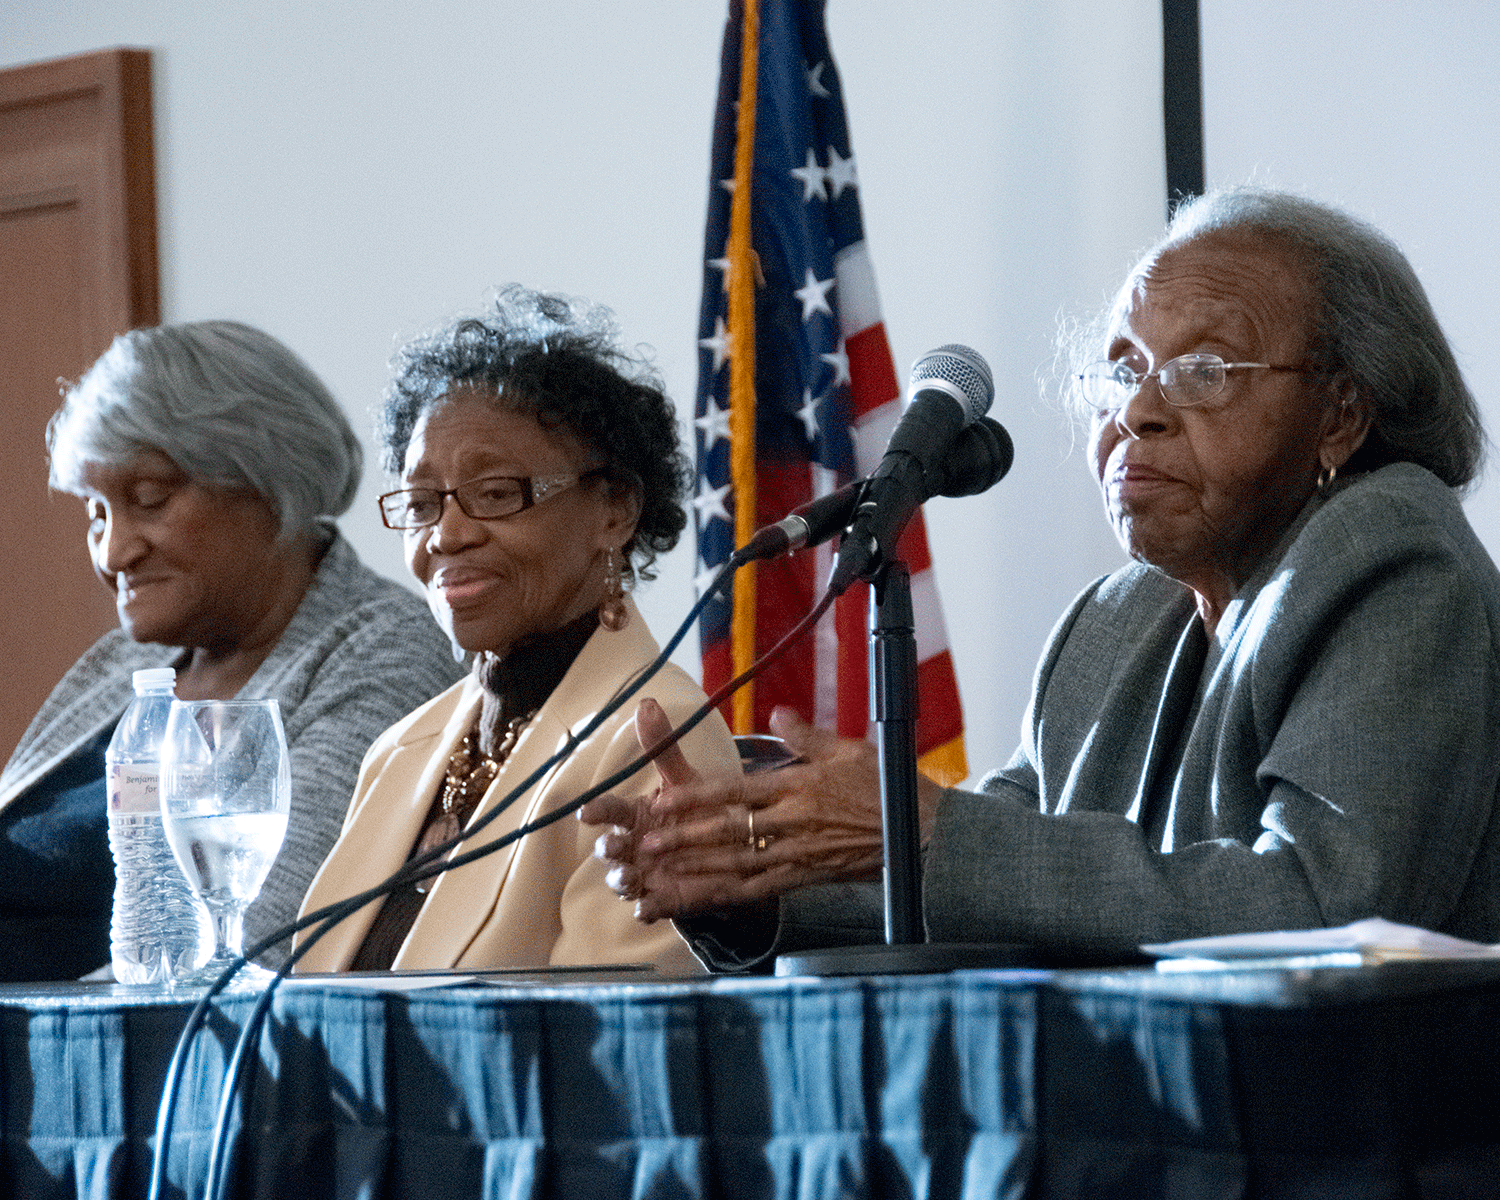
[[1284, 713], [211, 461]]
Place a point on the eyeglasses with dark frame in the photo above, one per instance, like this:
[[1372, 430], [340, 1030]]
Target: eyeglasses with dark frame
[[1185, 381], [488, 498]]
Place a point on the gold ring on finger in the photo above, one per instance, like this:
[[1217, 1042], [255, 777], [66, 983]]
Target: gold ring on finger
[[754, 842]]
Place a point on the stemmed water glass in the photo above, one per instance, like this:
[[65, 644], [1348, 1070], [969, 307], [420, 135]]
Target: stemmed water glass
[[226, 789]]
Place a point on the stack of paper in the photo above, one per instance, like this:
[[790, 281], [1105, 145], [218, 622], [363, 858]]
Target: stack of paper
[[1362, 943]]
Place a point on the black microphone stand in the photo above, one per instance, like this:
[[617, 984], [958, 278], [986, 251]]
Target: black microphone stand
[[893, 709]]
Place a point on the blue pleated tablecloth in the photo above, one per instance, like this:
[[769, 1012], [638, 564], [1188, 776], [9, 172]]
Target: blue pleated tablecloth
[[1365, 1082]]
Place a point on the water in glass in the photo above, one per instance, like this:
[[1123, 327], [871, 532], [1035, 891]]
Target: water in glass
[[225, 794]]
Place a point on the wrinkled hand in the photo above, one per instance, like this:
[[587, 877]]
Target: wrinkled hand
[[630, 818], [688, 847]]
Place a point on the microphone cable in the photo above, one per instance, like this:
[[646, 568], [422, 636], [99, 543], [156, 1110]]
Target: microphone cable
[[427, 866], [337, 912], [414, 869], [984, 449]]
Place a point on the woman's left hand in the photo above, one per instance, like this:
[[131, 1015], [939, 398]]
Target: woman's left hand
[[700, 844]]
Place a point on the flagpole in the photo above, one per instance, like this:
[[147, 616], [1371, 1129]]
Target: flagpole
[[742, 368]]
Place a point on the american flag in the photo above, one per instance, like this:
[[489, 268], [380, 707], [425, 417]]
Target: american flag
[[797, 391]]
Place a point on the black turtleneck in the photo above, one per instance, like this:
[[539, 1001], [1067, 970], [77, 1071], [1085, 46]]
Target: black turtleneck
[[519, 684]]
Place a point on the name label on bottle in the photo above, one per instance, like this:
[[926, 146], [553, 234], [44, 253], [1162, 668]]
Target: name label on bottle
[[133, 788]]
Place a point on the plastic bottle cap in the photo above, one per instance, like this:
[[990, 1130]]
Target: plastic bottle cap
[[151, 679]]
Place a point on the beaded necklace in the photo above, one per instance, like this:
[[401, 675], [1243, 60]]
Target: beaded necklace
[[469, 775]]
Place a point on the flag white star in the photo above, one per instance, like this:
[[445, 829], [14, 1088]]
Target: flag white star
[[814, 295], [839, 361], [719, 343], [715, 425], [811, 176], [704, 579], [840, 173], [710, 502], [727, 184], [808, 414], [815, 80], [721, 265]]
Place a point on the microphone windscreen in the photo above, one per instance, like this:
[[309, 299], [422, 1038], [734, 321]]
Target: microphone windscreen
[[979, 458]]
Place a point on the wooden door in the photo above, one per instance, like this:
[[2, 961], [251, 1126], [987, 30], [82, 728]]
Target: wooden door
[[77, 266]]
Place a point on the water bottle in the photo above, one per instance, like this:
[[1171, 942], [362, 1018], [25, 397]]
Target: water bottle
[[156, 929]]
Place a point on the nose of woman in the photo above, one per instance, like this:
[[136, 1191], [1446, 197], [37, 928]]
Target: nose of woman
[[1146, 412], [118, 544], [453, 530]]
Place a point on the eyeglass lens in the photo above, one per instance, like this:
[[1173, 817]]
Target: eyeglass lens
[[480, 499], [1185, 381]]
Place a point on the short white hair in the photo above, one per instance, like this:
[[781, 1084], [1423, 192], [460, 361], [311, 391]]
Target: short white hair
[[229, 404]]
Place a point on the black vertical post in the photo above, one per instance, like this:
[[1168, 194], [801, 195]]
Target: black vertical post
[[893, 709], [1182, 100]]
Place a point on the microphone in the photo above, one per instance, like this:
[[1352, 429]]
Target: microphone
[[951, 388], [979, 458]]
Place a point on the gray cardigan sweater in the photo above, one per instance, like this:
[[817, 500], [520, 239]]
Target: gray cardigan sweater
[[359, 654], [1333, 753]]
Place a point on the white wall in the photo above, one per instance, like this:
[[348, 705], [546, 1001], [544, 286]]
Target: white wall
[[344, 176], [1391, 110]]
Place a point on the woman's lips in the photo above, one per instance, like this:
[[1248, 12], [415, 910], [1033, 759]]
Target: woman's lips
[[459, 588], [1132, 481]]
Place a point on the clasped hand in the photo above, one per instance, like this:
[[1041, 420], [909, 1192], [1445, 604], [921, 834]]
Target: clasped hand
[[699, 844]]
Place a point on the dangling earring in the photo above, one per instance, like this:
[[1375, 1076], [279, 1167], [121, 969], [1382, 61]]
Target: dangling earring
[[613, 614], [1325, 481]]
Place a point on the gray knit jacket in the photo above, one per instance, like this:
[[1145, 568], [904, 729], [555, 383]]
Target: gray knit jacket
[[359, 654]]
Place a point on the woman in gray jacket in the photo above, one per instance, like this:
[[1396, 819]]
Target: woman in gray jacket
[[1285, 713]]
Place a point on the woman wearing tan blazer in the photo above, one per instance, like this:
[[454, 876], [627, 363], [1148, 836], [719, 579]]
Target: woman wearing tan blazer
[[540, 470]]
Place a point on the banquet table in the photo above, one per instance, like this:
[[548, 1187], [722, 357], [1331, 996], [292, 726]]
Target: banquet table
[[1369, 1082]]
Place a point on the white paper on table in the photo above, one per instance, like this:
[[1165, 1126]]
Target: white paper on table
[[383, 981], [415, 979], [1375, 940]]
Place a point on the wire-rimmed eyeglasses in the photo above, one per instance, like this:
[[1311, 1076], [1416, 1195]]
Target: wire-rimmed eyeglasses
[[488, 498], [1185, 381]]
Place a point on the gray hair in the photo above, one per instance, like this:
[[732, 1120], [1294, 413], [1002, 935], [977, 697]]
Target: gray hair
[[230, 405], [1371, 323]]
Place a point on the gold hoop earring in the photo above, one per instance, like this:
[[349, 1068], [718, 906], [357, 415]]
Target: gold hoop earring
[[613, 614], [1325, 480]]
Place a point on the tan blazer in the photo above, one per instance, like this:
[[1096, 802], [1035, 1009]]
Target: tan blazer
[[541, 900]]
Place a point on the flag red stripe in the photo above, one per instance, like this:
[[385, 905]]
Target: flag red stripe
[[871, 368], [937, 723]]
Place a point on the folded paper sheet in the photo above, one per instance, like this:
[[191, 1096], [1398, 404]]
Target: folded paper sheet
[[1370, 941]]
